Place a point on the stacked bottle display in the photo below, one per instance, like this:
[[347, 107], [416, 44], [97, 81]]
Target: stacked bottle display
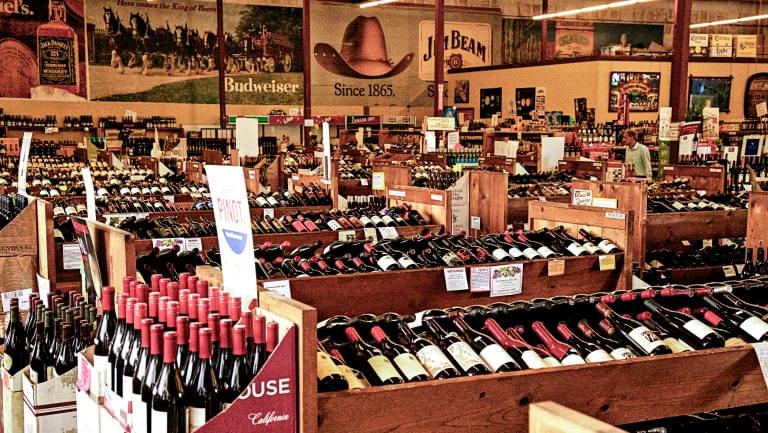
[[544, 184], [388, 349], [179, 352], [695, 203], [730, 252], [83, 122], [196, 145]]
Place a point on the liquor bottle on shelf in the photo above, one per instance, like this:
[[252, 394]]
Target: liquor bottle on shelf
[[460, 352], [239, 375], [638, 335], [329, 375], [167, 408], [564, 353], [406, 363], [202, 391], [376, 367], [16, 355]]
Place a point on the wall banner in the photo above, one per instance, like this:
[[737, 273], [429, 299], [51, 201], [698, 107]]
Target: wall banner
[[167, 52], [466, 45]]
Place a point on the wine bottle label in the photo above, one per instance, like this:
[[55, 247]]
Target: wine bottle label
[[387, 220], [533, 360], [598, 355], [102, 192], [515, 253], [333, 225], [656, 264], [406, 261], [500, 255], [530, 253], [735, 341], [325, 365], [261, 202], [545, 251], [464, 355], [58, 211], [383, 368], [590, 247], [677, 205], [354, 378], [364, 220], [572, 359], [102, 367], [576, 249], [606, 246], [677, 345], [622, 353], [139, 423], [124, 191], [495, 356], [376, 219], [409, 366], [274, 203], [33, 375], [645, 338], [703, 205], [450, 258], [699, 329], [70, 210], [195, 418], [135, 190], [755, 327], [159, 421], [386, 261], [165, 190], [434, 360]]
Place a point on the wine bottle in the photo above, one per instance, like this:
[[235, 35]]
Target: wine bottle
[[105, 333], [222, 364], [329, 376], [564, 353], [605, 245], [617, 350], [457, 349], [16, 355], [122, 343], [139, 407], [154, 365], [133, 348], [491, 352], [697, 332], [258, 355], [116, 344], [41, 361], [406, 363], [518, 350], [239, 374], [749, 324], [65, 358], [724, 328], [429, 355], [167, 411], [647, 341], [592, 352], [202, 392], [677, 345], [376, 367]]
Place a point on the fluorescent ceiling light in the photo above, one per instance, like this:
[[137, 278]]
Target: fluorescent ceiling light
[[373, 3], [731, 21], [595, 8]]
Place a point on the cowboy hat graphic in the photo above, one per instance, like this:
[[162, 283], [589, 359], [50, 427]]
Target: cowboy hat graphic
[[363, 52]]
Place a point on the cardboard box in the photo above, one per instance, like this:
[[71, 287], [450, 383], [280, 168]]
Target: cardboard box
[[115, 414], [87, 397], [720, 41], [745, 46], [13, 402], [699, 44], [50, 407], [723, 52]]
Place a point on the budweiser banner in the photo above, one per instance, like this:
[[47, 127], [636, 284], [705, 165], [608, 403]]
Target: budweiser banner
[[364, 58], [42, 50], [466, 45], [167, 52]]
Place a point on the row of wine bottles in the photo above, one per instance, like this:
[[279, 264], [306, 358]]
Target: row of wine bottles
[[180, 352], [388, 349], [750, 419], [10, 206], [295, 222], [685, 203]]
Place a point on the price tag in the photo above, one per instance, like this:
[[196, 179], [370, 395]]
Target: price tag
[[346, 235], [309, 123], [610, 203], [281, 287], [761, 350], [474, 222], [707, 243], [686, 243], [396, 193], [377, 181], [72, 257], [729, 271], [507, 280], [436, 197], [555, 268], [615, 215], [269, 212], [541, 198], [480, 279], [192, 244], [170, 198], [363, 182], [607, 263], [43, 288], [388, 232], [22, 295], [370, 234], [455, 279]]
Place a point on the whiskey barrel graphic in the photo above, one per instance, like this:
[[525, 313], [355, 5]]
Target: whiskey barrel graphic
[[19, 69]]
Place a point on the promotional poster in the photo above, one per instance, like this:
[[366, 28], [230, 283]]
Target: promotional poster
[[143, 51], [490, 102], [642, 88], [42, 47], [466, 45]]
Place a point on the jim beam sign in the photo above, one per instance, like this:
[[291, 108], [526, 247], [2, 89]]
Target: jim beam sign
[[466, 45]]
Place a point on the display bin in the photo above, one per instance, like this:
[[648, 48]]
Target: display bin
[[710, 178], [13, 402], [50, 406], [517, 208], [582, 169]]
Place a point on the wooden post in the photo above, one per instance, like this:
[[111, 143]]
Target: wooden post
[[439, 55], [222, 68], [307, 66], [544, 25], [678, 98]]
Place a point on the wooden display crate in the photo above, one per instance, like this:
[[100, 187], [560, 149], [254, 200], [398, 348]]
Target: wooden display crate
[[19, 250], [517, 208], [616, 225], [701, 178], [550, 417], [596, 169], [394, 175]]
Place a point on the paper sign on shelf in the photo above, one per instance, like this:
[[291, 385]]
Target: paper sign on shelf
[[168, 243], [22, 295], [309, 123], [233, 226], [616, 215], [370, 234], [729, 271], [761, 109], [607, 262], [191, 244], [268, 212], [455, 279], [281, 287], [90, 195], [71, 255], [431, 140], [347, 235], [609, 203], [507, 280], [26, 143], [480, 279], [474, 222], [453, 140], [761, 350], [582, 197], [388, 232], [555, 267], [363, 182], [377, 181]]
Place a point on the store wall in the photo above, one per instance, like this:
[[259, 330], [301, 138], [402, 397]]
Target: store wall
[[590, 79]]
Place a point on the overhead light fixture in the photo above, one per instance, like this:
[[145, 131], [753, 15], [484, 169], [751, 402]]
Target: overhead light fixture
[[370, 4], [588, 9], [730, 21]]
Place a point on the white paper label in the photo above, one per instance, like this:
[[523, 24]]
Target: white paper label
[[405, 262], [281, 287], [622, 353], [72, 256], [433, 359], [590, 247], [545, 252], [386, 261], [363, 182], [697, 328], [139, 415], [388, 232], [474, 222], [530, 253], [436, 197], [455, 279], [464, 355], [159, 421], [572, 360], [645, 338], [396, 193], [495, 356], [22, 295], [479, 279], [346, 235], [606, 246], [507, 280], [191, 244], [550, 361], [377, 181], [500, 255], [195, 418], [533, 360], [269, 212], [615, 215], [515, 252], [333, 225], [576, 249], [369, 233], [26, 144], [755, 327], [598, 355]]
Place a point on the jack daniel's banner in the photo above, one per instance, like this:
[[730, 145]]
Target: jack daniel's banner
[[367, 58], [42, 50], [163, 51]]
